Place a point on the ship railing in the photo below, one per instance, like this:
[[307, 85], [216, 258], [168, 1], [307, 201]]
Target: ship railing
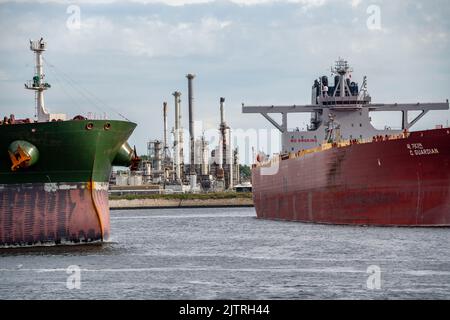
[[326, 146], [38, 45], [30, 84]]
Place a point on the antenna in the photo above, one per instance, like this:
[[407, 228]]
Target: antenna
[[363, 91]]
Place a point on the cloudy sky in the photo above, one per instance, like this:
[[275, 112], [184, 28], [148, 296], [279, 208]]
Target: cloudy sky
[[131, 55]]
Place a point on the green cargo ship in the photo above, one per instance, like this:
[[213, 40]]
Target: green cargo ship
[[54, 172]]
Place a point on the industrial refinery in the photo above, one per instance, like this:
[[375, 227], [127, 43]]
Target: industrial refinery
[[164, 169]]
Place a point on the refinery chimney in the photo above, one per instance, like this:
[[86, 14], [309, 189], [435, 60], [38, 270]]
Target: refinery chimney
[[223, 134], [190, 77], [225, 147], [165, 146], [222, 117], [178, 137]]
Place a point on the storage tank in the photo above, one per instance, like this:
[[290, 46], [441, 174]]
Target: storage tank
[[135, 180], [121, 179]]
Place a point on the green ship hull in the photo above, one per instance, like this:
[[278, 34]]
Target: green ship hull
[[68, 151], [63, 196]]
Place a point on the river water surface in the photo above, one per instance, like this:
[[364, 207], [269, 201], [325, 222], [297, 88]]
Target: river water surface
[[227, 253]]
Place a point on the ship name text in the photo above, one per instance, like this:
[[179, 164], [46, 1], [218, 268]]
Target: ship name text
[[303, 140], [417, 149]]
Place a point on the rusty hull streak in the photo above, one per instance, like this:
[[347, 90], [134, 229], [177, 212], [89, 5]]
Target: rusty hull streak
[[34, 214]]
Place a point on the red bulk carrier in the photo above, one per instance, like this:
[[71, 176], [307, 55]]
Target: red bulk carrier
[[344, 171]]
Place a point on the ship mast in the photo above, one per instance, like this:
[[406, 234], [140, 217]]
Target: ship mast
[[342, 70], [38, 85]]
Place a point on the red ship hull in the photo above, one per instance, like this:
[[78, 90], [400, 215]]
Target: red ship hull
[[38, 214], [403, 182]]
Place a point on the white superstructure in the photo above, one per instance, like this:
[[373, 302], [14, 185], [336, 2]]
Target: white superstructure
[[339, 111]]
